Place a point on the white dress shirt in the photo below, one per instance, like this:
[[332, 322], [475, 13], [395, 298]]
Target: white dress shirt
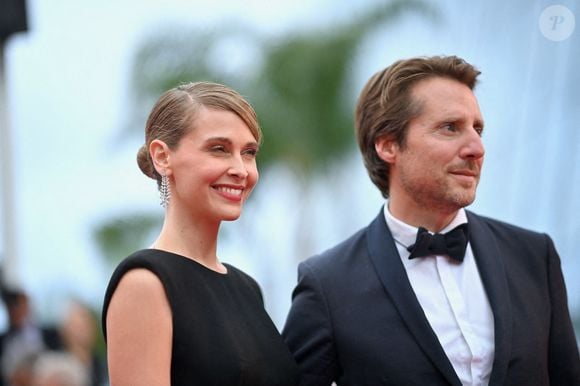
[[454, 301]]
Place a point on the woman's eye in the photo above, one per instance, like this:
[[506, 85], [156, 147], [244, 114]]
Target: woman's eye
[[251, 152], [218, 149]]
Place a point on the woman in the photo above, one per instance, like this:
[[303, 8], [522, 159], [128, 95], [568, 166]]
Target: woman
[[174, 314]]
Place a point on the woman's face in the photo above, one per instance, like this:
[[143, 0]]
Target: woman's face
[[213, 169]]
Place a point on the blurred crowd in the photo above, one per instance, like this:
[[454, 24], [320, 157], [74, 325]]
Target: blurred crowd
[[64, 354]]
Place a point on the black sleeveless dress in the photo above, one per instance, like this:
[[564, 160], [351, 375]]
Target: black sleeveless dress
[[221, 333]]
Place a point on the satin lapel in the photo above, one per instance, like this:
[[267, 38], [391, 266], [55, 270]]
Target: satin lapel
[[493, 275], [391, 272]]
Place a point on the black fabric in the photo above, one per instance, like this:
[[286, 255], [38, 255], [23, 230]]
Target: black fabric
[[356, 320], [452, 243], [221, 333]]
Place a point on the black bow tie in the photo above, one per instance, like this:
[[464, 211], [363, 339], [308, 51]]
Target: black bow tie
[[452, 243]]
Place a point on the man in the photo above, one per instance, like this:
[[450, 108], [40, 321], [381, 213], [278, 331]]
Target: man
[[429, 293], [24, 339]]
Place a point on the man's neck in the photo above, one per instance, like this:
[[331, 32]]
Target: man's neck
[[432, 220]]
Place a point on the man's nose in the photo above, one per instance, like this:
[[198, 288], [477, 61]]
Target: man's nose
[[473, 147]]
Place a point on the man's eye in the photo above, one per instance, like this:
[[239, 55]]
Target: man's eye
[[450, 127]]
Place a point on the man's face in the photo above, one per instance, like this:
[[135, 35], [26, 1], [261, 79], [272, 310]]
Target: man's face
[[19, 311], [440, 164]]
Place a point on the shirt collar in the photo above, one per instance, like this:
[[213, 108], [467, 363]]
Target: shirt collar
[[406, 234]]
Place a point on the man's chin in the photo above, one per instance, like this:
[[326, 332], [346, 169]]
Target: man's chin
[[461, 199], [466, 201]]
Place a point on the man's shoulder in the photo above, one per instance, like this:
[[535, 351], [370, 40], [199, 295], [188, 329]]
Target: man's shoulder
[[340, 253], [499, 227]]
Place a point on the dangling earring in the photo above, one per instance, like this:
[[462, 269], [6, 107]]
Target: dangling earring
[[164, 192]]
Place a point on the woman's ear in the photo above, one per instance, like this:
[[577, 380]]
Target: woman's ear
[[387, 149], [159, 152]]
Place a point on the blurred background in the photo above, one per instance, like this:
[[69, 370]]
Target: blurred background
[[79, 80]]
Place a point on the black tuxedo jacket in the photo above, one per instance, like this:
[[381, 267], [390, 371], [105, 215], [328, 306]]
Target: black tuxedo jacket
[[355, 319]]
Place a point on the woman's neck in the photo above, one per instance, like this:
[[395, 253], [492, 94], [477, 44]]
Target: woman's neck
[[190, 238]]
